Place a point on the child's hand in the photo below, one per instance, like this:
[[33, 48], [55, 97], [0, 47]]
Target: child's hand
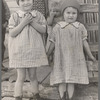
[[53, 13], [27, 19], [48, 56], [94, 59], [50, 60], [33, 21]]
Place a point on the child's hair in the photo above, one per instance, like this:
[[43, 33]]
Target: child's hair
[[70, 3], [18, 1], [55, 5]]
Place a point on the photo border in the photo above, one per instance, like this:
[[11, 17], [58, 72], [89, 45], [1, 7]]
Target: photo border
[[1, 50]]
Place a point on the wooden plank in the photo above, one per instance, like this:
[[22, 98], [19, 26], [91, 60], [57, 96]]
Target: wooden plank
[[8, 74], [89, 8], [93, 79], [95, 74], [94, 48], [91, 26], [8, 98], [91, 66], [90, 74], [11, 98]]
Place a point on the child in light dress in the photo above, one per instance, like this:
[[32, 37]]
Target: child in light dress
[[26, 48], [69, 38]]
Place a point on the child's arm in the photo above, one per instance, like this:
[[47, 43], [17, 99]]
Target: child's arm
[[16, 30], [38, 27], [39, 23], [52, 39], [51, 49], [87, 49], [50, 19]]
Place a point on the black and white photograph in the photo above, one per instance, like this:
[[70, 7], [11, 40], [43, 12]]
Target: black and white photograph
[[49, 49]]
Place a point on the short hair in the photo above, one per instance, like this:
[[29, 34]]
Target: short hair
[[55, 4]]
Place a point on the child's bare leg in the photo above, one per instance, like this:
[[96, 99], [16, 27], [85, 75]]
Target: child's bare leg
[[33, 80], [21, 74], [70, 90], [62, 89]]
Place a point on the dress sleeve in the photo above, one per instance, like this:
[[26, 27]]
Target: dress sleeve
[[13, 21], [41, 19], [84, 32]]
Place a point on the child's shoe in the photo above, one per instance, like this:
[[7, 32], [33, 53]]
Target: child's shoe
[[64, 96]]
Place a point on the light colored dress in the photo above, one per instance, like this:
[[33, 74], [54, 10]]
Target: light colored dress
[[49, 30], [26, 50], [69, 61]]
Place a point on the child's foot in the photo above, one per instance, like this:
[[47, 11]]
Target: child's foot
[[72, 98], [64, 96]]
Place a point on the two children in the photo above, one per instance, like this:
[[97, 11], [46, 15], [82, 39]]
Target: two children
[[69, 38], [26, 48]]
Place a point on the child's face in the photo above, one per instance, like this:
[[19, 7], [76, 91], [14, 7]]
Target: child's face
[[26, 5], [55, 10], [70, 14]]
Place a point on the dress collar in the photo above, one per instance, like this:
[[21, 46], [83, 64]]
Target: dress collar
[[64, 24], [22, 13]]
